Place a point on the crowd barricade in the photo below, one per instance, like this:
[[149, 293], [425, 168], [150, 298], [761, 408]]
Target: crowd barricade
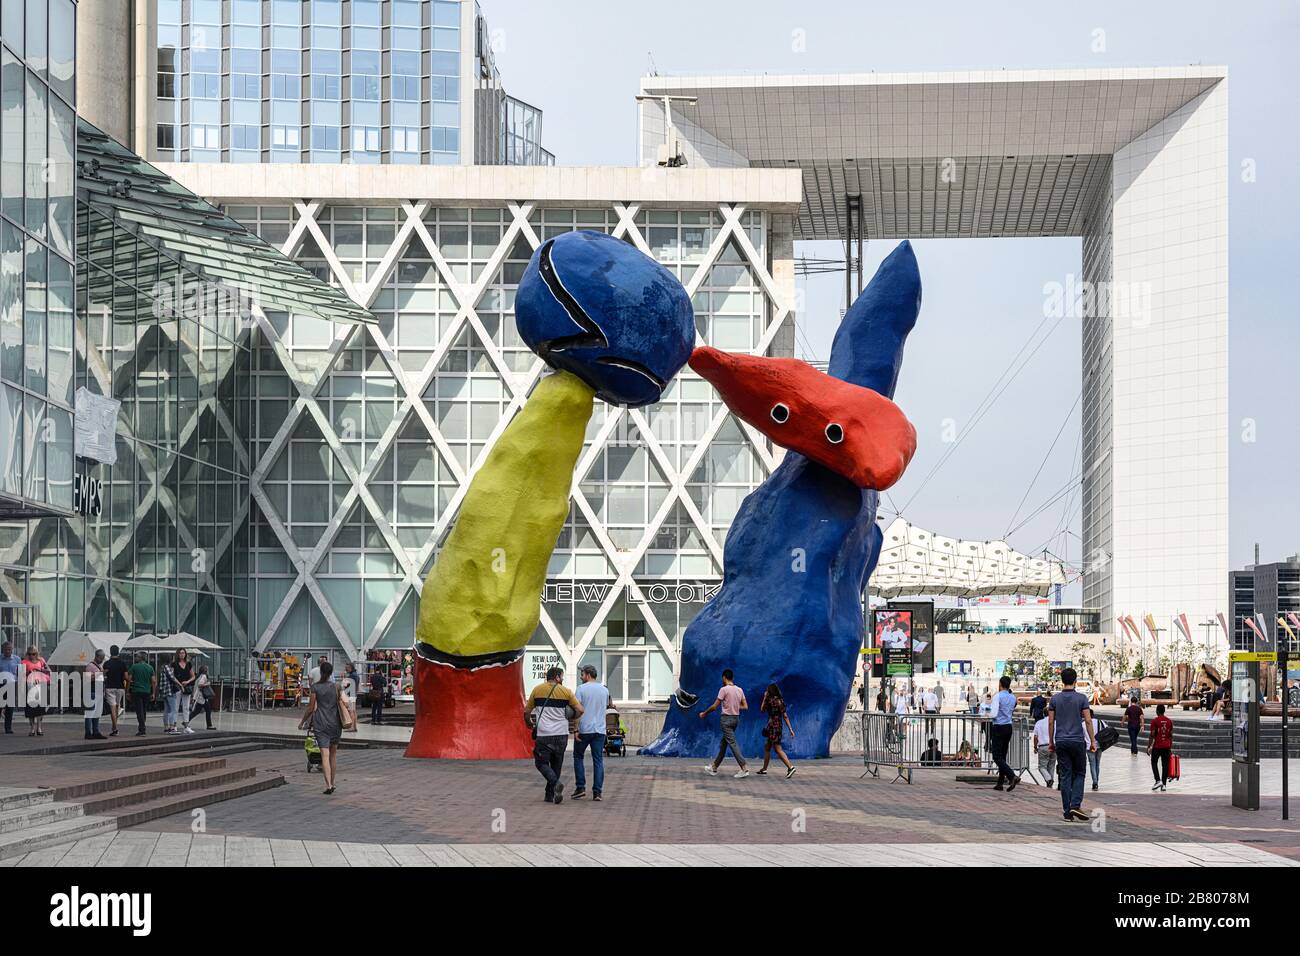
[[952, 742]]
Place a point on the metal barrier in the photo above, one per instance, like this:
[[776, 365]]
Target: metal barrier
[[950, 742]]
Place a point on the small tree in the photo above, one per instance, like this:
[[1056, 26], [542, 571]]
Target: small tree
[[1139, 669], [1084, 655]]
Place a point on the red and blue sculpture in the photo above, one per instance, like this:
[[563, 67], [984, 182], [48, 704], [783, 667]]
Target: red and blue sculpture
[[804, 543]]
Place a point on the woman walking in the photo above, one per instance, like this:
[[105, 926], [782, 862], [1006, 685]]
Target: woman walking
[[203, 695], [38, 691], [326, 716], [183, 671], [774, 706]]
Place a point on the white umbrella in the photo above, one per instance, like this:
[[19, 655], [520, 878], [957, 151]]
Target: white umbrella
[[171, 642], [77, 648]]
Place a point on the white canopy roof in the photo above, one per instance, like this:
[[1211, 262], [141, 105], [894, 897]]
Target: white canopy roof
[[916, 561], [170, 642], [77, 648]]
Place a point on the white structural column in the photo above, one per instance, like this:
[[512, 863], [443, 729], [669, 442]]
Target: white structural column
[[1169, 344]]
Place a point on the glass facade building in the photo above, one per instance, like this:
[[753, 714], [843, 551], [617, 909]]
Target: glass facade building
[[117, 284], [328, 81]]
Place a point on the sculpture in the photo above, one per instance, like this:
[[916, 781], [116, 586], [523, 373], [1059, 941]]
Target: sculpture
[[612, 322], [799, 552]]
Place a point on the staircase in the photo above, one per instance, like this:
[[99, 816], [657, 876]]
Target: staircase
[[101, 802], [1213, 738]]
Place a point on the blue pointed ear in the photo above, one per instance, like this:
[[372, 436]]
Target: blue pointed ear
[[868, 346]]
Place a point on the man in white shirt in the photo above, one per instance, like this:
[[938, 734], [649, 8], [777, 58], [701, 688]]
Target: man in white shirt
[[1046, 756]]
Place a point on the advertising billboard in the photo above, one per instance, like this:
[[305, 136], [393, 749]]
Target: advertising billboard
[[894, 638]]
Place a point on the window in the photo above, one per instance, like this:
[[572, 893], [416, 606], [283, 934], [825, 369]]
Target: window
[[406, 139], [284, 137], [365, 139], [245, 137], [324, 87], [285, 86], [166, 136], [324, 137], [245, 86], [205, 137]]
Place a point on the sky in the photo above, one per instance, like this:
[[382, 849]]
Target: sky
[[581, 62]]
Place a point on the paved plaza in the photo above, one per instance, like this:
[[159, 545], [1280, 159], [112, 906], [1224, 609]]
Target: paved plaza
[[391, 810]]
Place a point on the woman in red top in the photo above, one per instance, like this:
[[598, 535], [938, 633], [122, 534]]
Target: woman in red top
[[38, 692], [1160, 746]]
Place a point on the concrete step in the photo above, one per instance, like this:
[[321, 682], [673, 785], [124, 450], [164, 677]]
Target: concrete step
[[113, 779], [52, 834], [12, 821], [117, 799], [164, 806], [194, 745], [15, 798]]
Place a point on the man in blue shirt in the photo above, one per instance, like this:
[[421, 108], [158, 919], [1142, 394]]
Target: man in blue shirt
[[1069, 727], [594, 697], [9, 662], [1004, 705]]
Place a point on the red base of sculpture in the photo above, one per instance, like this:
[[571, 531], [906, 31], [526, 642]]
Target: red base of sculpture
[[469, 714]]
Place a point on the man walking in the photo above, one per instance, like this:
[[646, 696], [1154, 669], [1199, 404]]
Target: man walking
[[938, 696], [1161, 747], [9, 662], [114, 685], [551, 729], [1133, 720], [1046, 757], [143, 685], [1004, 705], [1069, 724], [594, 698], [378, 685], [1038, 707], [732, 701]]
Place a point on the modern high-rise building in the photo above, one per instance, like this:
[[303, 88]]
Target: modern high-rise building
[[312, 81], [126, 308], [1271, 591], [363, 437]]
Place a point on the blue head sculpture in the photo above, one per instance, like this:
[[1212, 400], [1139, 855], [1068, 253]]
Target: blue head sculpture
[[600, 308]]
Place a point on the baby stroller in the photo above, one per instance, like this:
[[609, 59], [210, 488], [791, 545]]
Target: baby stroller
[[313, 751], [615, 736]]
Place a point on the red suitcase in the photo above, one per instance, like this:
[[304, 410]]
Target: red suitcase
[[1175, 767]]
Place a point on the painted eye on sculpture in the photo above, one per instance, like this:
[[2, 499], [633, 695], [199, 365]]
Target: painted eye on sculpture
[[780, 413], [834, 433]]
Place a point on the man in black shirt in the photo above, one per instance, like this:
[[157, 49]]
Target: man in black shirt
[[115, 684]]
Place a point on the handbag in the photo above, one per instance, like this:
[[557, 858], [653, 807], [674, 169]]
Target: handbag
[[347, 719], [1107, 737]]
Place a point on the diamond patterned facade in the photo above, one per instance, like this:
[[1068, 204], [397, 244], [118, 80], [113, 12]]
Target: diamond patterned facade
[[365, 438]]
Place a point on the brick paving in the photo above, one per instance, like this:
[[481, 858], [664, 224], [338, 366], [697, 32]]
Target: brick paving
[[384, 798]]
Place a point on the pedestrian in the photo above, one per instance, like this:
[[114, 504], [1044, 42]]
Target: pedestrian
[[732, 701], [882, 701], [378, 684], [1160, 746], [938, 696], [9, 663], [142, 683], [327, 717], [115, 669], [594, 698], [38, 688], [551, 701], [930, 704], [932, 756], [170, 692], [773, 705], [1038, 707], [183, 671], [93, 688], [203, 696], [1133, 721], [972, 699], [1004, 705], [313, 676], [1069, 724], [1046, 756], [1094, 755]]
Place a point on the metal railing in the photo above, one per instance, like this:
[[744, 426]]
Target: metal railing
[[953, 742]]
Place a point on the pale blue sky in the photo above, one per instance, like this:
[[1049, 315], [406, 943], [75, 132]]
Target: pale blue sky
[[581, 61]]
